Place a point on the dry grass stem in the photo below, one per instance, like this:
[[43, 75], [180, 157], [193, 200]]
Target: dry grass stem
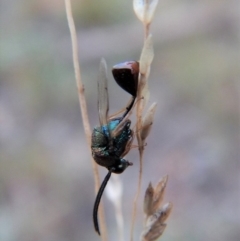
[[155, 216], [146, 58], [83, 108]]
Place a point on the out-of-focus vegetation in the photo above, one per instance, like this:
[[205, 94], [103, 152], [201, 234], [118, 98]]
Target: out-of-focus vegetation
[[46, 184]]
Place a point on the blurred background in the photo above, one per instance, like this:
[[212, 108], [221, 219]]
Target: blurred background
[[46, 178]]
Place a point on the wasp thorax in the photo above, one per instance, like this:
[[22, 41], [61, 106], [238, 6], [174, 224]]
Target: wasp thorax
[[108, 150]]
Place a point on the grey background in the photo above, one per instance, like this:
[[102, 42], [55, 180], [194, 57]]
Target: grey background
[[46, 180]]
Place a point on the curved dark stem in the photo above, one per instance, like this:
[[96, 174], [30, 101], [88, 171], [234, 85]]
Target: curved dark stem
[[129, 107], [97, 201]]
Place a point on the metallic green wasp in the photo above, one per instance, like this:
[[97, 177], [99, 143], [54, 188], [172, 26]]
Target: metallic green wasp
[[112, 140]]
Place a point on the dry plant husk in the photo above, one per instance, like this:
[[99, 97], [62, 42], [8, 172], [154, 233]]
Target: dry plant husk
[[156, 214], [145, 61], [145, 10], [148, 121]]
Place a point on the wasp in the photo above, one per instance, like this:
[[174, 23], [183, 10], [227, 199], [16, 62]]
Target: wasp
[[112, 140]]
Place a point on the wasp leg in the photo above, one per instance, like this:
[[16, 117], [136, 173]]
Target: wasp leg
[[129, 144]]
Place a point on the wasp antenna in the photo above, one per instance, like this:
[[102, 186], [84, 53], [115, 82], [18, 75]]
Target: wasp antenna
[[97, 201]]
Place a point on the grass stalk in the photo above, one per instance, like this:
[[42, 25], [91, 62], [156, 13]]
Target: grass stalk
[[83, 109]]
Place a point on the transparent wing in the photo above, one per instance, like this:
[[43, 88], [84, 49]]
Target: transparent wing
[[103, 102]]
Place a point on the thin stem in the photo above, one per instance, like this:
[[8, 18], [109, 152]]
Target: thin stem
[[141, 149], [81, 95], [83, 107], [140, 107], [146, 30]]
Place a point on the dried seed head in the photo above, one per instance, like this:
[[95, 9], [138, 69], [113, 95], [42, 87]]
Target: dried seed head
[[165, 211], [155, 223], [154, 196], [145, 9], [148, 121], [159, 191], [155, 216], [161, 184], [148, 200], [153, 233]]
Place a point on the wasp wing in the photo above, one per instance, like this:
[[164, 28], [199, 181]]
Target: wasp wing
[[103, 102]]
